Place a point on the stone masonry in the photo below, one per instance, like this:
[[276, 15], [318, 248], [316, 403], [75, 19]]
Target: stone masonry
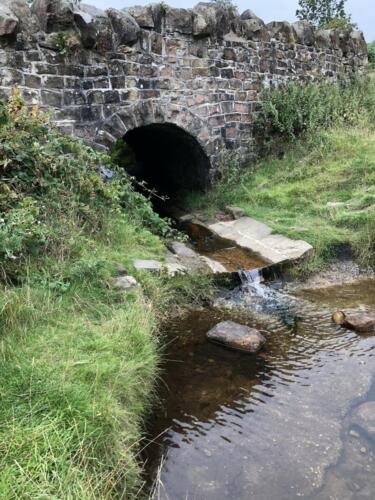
[[102, 74]]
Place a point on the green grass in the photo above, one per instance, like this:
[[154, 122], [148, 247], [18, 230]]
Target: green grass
[[322, 191], [78, 367], [78, 359]]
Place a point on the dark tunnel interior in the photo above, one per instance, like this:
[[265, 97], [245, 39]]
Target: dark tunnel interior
[[169, 160]]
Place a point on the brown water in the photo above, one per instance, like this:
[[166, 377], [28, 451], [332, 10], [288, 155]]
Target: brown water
[[232, 257], [271, 426]]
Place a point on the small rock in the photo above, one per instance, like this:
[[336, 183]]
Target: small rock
[[147, 265], [174, 268], [364, 418], [186, 218], [236, 336], [363, 450], [214, 266], [125, 283], [360, 322], [235, 212], [354, 434], [181, 249]]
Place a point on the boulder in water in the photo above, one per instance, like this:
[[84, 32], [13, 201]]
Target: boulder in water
[[360, 322], [236, 336]]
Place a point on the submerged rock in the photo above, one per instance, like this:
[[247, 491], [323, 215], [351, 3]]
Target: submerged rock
[[360, 322], [364, 418], [236, 336]]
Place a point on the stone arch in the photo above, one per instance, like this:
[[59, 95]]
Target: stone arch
[[170, 144]]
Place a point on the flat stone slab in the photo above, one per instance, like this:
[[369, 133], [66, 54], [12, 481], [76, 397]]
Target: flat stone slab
[[147, 265], [257, 237], [236, 336]]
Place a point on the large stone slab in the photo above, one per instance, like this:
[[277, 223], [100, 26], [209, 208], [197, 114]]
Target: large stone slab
[[258, 238]]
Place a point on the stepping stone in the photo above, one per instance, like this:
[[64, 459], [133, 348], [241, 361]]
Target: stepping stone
[[148, 265], [236, 336], [257, 237]]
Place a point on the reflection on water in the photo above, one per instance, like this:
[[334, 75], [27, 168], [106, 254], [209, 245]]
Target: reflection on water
[[271, 426]]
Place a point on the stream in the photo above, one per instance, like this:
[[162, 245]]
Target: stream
[[272, 426]]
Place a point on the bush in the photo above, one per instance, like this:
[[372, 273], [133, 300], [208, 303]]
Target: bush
[[371, 55], [51, 188], [297, 108]]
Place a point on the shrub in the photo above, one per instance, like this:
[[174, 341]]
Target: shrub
[[297, 108], [51, 187], [371, 54]]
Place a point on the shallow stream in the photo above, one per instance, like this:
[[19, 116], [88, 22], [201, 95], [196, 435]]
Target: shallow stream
[[271, 426]]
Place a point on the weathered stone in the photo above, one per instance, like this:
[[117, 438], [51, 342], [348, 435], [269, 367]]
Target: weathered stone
[[125, 27], [235, 212], [304, 33], [143, 15], [55, 15], [249, 15], [148, 265], [181, 249], [174, 268], [236, 336], [252, 29], [361, 322], [95, 28], [282, 30], [256, 237], [364, 417], [125, 283], [8, 21], [179, 20], [218, 19], [15, 15], [213, 265]]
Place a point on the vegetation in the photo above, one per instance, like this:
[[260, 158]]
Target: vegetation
[[324, 14], [78, 358], [371, 55], [322, 189]]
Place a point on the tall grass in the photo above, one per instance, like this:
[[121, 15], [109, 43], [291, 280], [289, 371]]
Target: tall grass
[[78, 358], [319, 186]]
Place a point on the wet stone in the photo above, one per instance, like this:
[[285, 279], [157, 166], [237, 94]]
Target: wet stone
[[364, 418], [361, 322], [236, 336]]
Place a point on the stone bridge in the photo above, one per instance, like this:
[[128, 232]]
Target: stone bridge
[[178, 85]]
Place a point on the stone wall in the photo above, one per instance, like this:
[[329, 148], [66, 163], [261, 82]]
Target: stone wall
[[104, 73]]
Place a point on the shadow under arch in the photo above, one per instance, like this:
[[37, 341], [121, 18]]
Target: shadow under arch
[[169, 159]]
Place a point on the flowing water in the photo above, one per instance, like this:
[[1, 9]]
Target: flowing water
[[271, 426]]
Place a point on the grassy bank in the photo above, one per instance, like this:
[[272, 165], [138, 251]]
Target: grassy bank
[[319, 183], [78, 359]]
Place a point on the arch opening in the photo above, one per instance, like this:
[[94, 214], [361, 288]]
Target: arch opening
[[169, 160]]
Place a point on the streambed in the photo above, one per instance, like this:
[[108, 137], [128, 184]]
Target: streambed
[[276, 425]]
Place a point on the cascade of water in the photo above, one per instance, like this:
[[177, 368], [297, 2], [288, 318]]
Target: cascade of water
[[266, 299]]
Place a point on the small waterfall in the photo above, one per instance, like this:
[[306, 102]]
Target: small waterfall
[[265, 299]]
